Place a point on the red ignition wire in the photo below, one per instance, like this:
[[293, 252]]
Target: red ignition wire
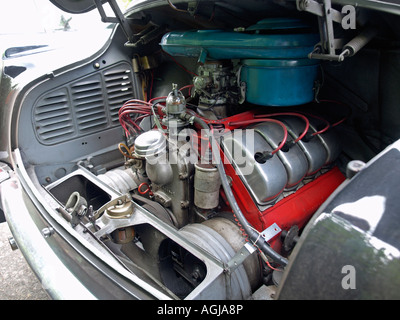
[[147, 190], [289, 114], [339, 103], [189, 87], [132, 106], [246, 122], [328, 125]]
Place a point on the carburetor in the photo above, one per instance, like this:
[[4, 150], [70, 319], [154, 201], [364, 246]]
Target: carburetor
[[215, 86]]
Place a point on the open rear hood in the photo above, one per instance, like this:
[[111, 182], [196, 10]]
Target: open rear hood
[[76, 6], [320, 8], [82, 6]]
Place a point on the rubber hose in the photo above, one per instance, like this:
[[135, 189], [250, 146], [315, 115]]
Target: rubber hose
[[253, 235]]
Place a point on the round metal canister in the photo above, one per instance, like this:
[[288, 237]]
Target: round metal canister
[[120, 210], [175, 102], [279, 82], [207, 183], [150, 144]]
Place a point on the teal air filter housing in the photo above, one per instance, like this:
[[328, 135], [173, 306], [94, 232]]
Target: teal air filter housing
[[273, 54]]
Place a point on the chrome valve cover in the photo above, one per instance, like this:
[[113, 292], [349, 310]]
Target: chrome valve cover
[[284, 171]]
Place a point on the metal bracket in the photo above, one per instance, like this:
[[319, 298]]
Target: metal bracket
[[328, 45], [239, 257], [326, 48], [271, 232], [119, 17]]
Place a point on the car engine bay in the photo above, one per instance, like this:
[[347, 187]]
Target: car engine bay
[[196, 153]]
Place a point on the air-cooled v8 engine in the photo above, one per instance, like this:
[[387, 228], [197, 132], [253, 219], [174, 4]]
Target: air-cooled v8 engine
[[218, 184], [279, 166], [240, 162]]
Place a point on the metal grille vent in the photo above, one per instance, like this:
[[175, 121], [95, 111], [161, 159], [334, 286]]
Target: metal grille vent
[[88, 102], [84, 106], [118, 82], [53, 117]]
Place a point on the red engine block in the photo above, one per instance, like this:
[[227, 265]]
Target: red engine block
[[295, 209]]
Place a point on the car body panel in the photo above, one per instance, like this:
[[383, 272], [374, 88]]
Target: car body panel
[[357, 231], [86, 269]]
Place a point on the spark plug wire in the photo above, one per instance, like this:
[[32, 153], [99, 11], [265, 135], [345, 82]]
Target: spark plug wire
[[341, 104], [299, 115], [247, 122]]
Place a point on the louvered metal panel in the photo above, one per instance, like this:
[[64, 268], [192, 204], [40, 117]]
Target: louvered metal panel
[[53, 119], [118, 82], [84, 106], [89, 105]]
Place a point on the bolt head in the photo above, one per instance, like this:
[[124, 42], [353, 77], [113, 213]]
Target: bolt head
[[12, 243], [47, 232]]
